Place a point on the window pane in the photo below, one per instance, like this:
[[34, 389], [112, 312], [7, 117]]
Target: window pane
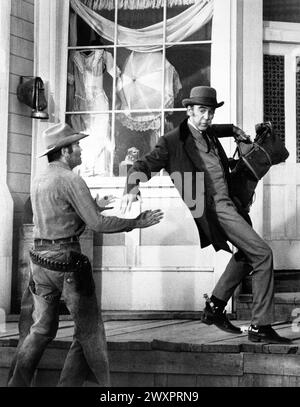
[[129, 21], [98, 147], [128, 139], [141, 79], [82, 34], [192, 64], [173, 119], [90, 80], [198, 31]]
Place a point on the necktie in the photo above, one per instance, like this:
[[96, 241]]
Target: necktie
[[207, 140]]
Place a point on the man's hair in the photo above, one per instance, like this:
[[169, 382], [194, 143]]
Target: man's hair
[[55, 156]]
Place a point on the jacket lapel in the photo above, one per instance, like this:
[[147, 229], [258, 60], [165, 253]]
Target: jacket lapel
[[189, 146], [222, 154], [192, 152]]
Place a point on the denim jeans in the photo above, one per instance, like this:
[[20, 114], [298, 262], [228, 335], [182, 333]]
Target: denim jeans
[[88, 352], [25, 321]]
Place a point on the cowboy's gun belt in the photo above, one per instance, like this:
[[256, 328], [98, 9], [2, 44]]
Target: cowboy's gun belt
[[77, 262]]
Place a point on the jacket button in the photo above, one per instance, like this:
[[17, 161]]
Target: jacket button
[[69, 280]]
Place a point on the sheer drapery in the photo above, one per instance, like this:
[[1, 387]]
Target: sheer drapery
[[178, 28], [134, 4]]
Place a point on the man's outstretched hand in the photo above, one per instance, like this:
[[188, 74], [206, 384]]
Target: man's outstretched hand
[[240, 135], [149, 218], [103, 203], [128, 199]]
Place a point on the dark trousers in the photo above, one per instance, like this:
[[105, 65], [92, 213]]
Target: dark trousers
[[257, 256], [88, 351]]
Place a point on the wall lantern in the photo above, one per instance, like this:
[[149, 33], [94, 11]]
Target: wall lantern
[[31, 92]]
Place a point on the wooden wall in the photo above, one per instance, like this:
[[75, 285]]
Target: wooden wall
[[20, 123]]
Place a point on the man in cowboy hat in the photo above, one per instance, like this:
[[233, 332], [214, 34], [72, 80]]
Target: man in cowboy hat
[[194, 147], [62, 208]]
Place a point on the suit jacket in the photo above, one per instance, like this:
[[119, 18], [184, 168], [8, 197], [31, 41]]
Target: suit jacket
[[177, 152]]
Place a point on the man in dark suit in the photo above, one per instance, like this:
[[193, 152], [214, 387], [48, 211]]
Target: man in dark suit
[[194, 147]]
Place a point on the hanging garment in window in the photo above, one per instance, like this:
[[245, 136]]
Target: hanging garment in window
[[140, 87], [86, 77]]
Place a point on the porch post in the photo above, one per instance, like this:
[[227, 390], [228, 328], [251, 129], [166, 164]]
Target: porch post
[[6, 202], [50, 62], [252, 87], [225, 54]]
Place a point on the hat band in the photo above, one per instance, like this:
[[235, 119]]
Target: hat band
[[203, 101]]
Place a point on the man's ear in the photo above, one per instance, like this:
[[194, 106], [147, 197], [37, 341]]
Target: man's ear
[[64, 151], [190, 110]]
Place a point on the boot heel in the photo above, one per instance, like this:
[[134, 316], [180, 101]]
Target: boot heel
[[206, 321]]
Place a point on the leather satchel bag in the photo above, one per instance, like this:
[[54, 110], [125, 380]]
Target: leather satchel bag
[[254, 161]]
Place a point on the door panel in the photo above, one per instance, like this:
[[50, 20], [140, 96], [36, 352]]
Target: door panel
[[281, 217]]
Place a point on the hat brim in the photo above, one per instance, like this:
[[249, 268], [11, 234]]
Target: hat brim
[[192, 102], [63, 143]]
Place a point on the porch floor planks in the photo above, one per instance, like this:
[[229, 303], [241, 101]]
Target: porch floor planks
[[193, 332], [139, 326], [120, 328], [180, 331]]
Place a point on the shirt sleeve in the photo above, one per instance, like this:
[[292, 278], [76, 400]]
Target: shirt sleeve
[[86, 208]]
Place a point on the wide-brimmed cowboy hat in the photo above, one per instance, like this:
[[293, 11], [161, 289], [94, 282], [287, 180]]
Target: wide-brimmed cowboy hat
[[58, 136], [202, 95]]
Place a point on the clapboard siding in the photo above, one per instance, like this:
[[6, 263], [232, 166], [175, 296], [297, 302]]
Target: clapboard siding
[[22, 29], [21, 66], [19, 163], [19, 143], [21, 47], [18, 108], [20, 199], [19, 182], [22, 9], [13, 83], [20, 122]]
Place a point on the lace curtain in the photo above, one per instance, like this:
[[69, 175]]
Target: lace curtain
[[178, 28]]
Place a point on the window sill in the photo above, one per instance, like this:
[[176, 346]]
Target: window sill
[[119, 182]]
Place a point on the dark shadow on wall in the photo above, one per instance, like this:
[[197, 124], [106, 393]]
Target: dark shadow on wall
[[19, 220]]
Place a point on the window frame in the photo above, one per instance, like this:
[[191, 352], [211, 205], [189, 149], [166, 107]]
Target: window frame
[[51, 39], [113, 112]]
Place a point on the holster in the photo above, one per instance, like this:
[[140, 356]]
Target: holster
[[83, 276], [77, 263]]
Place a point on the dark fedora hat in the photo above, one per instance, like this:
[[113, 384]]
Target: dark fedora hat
[[58, 136], [202, 95]]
